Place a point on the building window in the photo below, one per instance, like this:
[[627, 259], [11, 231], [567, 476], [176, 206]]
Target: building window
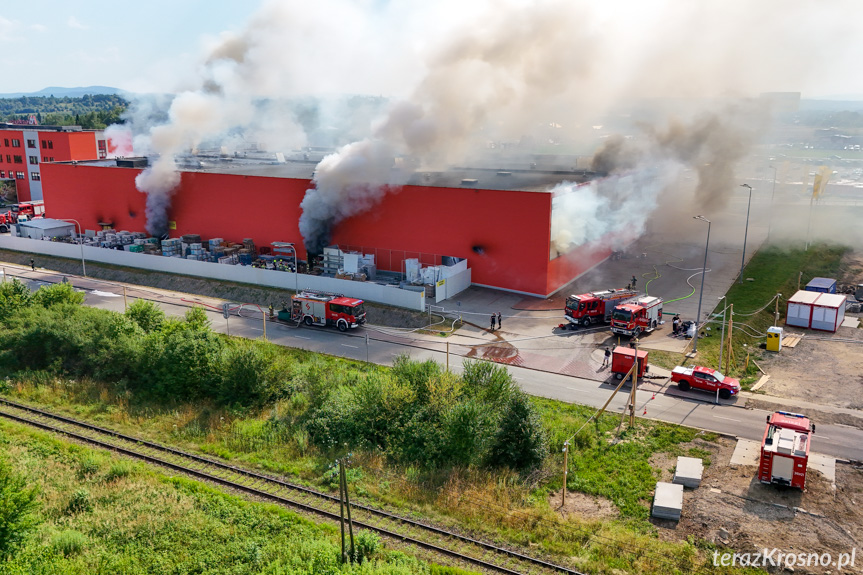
[[35, 176], [18, 159], [102, 145], [51, 159], [34, 160], [8, 158], [19, 175], [44, 158], [50, 144], [16, 143], [44, 144], [6, 142], [31, 143], [2, 174]]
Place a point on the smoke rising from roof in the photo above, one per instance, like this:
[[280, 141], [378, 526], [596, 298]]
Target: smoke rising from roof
[[499, 71]]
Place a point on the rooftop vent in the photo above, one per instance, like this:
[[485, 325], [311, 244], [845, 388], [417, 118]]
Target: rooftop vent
[[132, 162], [504, 173], [469, 182]]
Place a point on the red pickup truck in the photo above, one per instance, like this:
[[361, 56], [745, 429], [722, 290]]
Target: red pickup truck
[[705, 378]]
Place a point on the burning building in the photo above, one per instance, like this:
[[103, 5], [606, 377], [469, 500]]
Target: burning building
[[510, 224]]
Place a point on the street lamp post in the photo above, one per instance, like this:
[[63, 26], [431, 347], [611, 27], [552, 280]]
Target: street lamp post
[[80, 241], [701, 294], [746, 232], [722, 341], [772, 197]]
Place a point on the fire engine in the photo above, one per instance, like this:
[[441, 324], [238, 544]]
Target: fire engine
[[322, 308], [593, 307], [22, 211], [640, 316], [785, 449]]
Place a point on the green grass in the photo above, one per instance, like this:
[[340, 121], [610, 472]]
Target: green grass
[[147, 522], [501, 504], [774, 269]]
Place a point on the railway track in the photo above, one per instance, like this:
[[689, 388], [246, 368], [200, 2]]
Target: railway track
[[466, 551]]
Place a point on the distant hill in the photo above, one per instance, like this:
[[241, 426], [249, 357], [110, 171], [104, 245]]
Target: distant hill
[[66, 92]]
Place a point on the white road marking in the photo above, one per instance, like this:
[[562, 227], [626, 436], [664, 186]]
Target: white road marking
[[256, 329], [728, 418], [104, 293], [302, 337], [346, 345]]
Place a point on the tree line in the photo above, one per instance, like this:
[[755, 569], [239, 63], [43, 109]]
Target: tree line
[[415, 413], [91, 112]]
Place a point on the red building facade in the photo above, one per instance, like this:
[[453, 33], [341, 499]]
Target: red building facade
[[504, 234], [25, 148]]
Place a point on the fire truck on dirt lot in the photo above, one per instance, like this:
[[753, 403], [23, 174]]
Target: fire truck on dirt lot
[[785, 449], [640, 316], [23, 211], [322, 308], [594, 307]]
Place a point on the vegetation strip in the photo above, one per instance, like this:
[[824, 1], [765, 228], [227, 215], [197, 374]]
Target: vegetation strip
[[274, 497]]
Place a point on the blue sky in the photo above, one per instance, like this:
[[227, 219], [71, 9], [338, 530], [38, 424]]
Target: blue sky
[[649, 47], [128, 45]]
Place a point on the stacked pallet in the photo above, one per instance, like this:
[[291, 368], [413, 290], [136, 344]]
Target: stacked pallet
[[172, 248]]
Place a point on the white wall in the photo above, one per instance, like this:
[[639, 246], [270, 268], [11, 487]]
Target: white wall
[[453, 285], [241, 274]]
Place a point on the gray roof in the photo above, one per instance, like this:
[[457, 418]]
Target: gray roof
[[524, 173], [46, 224]]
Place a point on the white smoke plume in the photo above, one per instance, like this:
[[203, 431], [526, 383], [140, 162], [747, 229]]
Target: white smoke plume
[[466, 74]]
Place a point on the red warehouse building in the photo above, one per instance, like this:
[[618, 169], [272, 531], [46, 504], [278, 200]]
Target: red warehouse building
[[25, 148], [499, 221]]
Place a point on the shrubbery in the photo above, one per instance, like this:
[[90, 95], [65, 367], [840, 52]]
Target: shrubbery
[[416, 413], [420, 414], [17, 503]]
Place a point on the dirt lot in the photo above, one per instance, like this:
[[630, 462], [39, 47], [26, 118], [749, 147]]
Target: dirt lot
[[822, 368], [733, 509]]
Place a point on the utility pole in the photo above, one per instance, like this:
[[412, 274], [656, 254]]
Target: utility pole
[[776, 314], [125, 303], [447, 355], [730, 331], [342, 510], [565, 470], [344, 480], [634, 387]]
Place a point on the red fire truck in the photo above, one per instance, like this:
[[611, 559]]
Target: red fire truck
[[593, 307], [23, 211], [785, 449], [637, 317], [322, 308]]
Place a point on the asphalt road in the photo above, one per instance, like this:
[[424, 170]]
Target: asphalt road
[[382, 347]]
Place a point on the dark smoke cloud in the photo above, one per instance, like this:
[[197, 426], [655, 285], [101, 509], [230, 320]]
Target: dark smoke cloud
[[712, 144]]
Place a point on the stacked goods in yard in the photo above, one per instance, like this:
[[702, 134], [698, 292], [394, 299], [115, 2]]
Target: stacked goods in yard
[[172, 248]]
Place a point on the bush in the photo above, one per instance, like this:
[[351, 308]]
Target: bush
[[14, 295], [119, 470], [366, 546], [181, 364], [58, 294], [520, 443], [146, 314], [248, 375], [78, 503], [69, 542], [17, 504]]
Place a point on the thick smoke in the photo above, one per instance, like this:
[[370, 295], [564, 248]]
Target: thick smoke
[[711, 144], [465, 75]]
